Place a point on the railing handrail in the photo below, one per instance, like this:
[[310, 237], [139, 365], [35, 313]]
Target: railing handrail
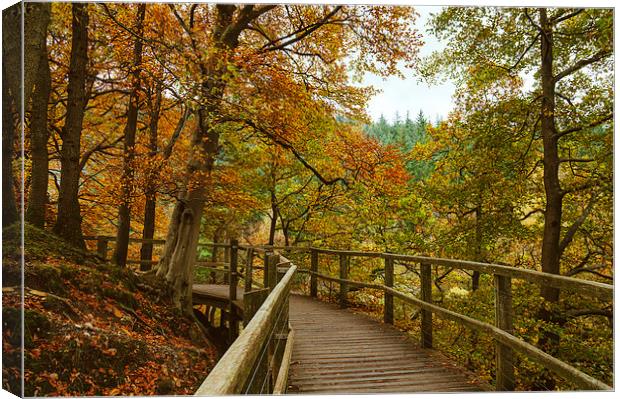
[[563, 369], [231, 373], [596, 289]]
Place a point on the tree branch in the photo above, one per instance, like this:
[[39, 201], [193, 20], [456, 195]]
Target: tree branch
[[596, 123], [103, 145], [296, 154], [572, 230], [177, 132], [299, 35], [582, 63]]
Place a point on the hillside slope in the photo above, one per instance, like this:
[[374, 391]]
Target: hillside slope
[[89, 329]]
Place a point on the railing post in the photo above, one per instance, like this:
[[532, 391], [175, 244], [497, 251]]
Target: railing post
[[314, 267], [388, 299], [271, 271], [227, 260], [504, 380], [426, 296], [344, 266], [249, 261], [266, 256], [233, 278], [102, 247]]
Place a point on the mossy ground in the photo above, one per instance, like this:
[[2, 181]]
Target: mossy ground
[[89, 330]]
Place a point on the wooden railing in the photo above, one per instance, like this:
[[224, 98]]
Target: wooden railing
[[501, 332], [240, 362], [257, 362]]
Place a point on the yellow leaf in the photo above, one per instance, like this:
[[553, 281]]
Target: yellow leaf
[[38, 293], [117, 312]]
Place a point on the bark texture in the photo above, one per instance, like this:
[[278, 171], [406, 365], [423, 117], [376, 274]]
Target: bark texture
[[148, 230], [36, 19], [39, 135], [69, 220], [124, 211], [553, 192], [11, 106]]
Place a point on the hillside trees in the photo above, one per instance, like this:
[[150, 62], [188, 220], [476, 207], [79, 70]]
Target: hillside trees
[[274, 57], [569, 53]]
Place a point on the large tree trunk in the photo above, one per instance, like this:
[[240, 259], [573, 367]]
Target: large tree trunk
[[11, 106], [192, 199], [36, 19], [69, 220], [204, 147], [551, 162], [553, 192], [124, 211], [39, 135]]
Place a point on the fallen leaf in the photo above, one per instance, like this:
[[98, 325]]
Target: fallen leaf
[[38, 293], [109, 352]]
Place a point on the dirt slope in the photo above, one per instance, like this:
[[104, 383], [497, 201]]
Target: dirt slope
[[90, 329]]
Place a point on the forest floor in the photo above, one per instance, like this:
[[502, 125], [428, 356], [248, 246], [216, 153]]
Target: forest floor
[[89, 328]]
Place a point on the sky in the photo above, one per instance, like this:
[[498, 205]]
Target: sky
[[410, 94]]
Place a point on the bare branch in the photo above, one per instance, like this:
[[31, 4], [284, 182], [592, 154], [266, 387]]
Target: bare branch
[[582, 63]]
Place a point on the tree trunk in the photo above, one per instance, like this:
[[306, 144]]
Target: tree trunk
[[124, 211], [551, 162], [553, 192], [39, 135], [69, 220], [148, 232], [183, 233], [475, 277], [204, 147], [179, 276], [36, 19], [11, 106], [273, 219]]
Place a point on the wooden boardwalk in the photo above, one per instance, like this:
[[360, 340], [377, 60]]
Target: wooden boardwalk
[[338, 351], [215, 295]]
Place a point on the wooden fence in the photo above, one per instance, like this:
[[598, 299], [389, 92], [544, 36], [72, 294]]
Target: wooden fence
[[257, 362], [501, 332], [232, 375]]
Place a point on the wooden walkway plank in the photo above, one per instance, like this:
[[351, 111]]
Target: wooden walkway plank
[[338, 351], [215, 294]]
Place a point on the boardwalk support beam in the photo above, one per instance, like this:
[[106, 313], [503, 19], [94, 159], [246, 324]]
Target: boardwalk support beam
[[503, 319], [388, 307]]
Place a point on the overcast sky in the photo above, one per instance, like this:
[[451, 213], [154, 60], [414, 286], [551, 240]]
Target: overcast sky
[[409, 94]]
